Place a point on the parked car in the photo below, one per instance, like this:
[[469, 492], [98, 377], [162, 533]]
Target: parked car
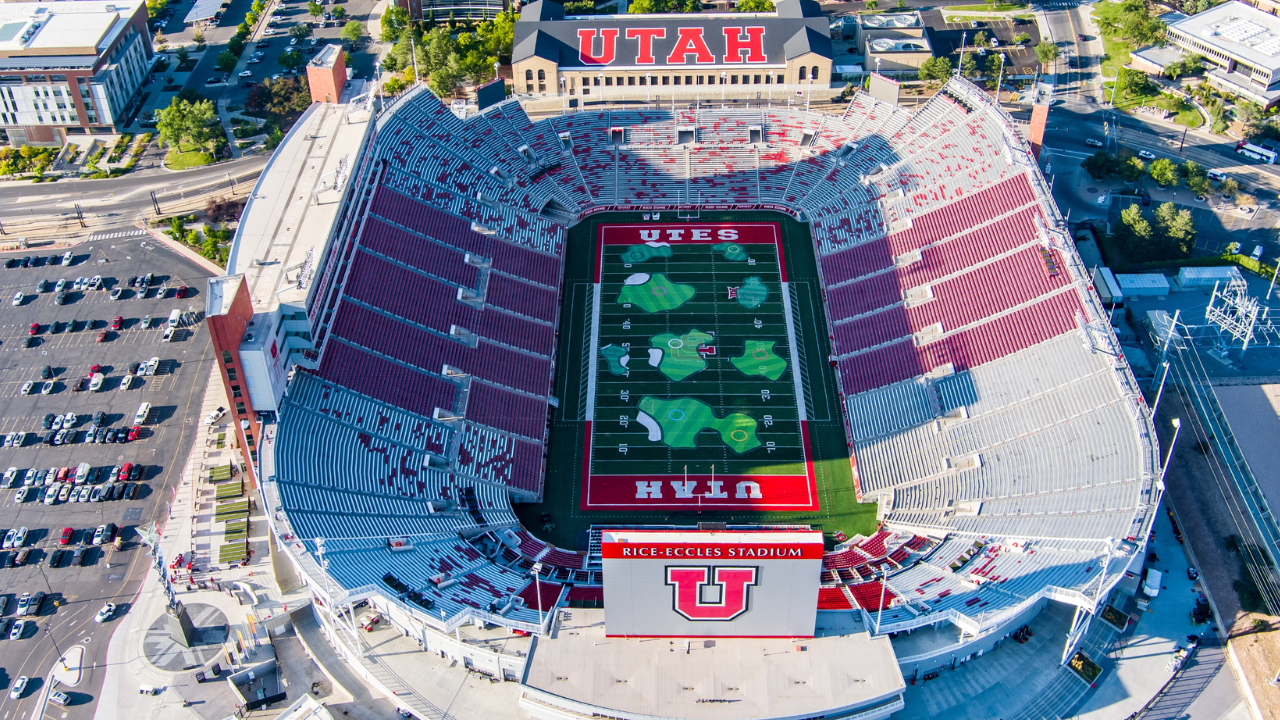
[[19, 685], [213, 415]]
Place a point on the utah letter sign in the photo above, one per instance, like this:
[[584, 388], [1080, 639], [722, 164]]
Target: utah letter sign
[[692, 584]]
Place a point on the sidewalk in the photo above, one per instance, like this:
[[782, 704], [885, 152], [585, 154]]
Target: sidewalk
[[192, 531]]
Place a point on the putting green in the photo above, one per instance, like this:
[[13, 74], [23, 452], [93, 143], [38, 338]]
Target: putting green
[[640, 253], [617, 358], [752, 293], [655, 293], [731, 251], [677, 424], [758, 358], [677, 356]]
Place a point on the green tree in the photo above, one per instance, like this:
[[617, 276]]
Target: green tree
[[251, 18], [872, 4], [969, 65], [437, 48], [1046, 52], [1021, 39], [394, 22], [235, 46], [290, 60], [393, 86], [936, 69], [994, 65], [353, 31], [497, 35], [902, 4], [1101, 165], [258, 7], [227, 61], [1246, 200], [1133, 81], [1229, 188], [981, 38], [753, 6], [198, 37], [339, 13], [1177, 227], [647, 7], [690, 6], [300, 31], [315, 9], [159, 40], [155, 7], [1136, 230], [1163, 171], [187, 122], [1219, 116], [1132, 169], [184, 54], [446, 78], [243, 30]]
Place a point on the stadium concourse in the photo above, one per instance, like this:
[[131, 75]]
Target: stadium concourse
[[988, 410]]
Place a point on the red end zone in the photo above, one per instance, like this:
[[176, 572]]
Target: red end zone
[[685, 233], [718, 492]]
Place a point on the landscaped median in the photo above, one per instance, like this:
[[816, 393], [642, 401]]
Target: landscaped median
[[1136, 93]]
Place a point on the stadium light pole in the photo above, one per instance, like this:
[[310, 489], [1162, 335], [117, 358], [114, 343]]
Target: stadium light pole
[[648, 88], [724, 79], [601, 77], [960, 67], [1155, 405], [1000, 77], [771, 81], [563, 109], [537, 586], [810, 95], [1177, 427]]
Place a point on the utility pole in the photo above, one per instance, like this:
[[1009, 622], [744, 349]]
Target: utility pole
[[1184, 139], [155, 203], [80, 216]]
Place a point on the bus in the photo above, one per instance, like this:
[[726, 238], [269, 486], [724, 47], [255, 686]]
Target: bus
[[1253, 152]]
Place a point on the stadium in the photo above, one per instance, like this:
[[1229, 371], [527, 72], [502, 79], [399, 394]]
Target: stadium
[[491, 352]]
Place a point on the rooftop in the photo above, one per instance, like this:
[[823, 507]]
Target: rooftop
[[327, 56], [736, 678], [78, 27], [1237, 29], [288, 218]]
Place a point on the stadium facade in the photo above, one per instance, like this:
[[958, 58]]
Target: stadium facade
[[396, 286]]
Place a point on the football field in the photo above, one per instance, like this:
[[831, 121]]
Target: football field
[[694, 396], [692, 383]]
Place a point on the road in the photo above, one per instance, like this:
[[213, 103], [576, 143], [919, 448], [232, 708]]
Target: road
[[121, 201]]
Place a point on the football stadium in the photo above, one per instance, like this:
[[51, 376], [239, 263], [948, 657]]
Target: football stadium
[[855, 411]]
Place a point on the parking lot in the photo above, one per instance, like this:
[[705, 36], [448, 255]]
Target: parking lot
[[946, 38], [75, 592]]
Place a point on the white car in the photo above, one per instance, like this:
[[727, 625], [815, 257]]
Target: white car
[[28, 386], [70, 420], [20, 538], [19, 685], [8, 539], [51, 494], [254, 61], [67, 257], [47, 387], [20, 438], [10, 476], [246, 73], [152, 365], [65, 493], [1146, 155], [213, 416], [293, 41], [126, 382], [105, 613], [20, 495], [83, 496], [18, 298], [270, 31], [60, 285], [95, 382]]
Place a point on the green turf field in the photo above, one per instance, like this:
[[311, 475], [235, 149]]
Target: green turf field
[[700, 407]]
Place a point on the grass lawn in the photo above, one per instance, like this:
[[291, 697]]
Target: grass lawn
[[1117, 50], [1186, 114], [182, 160]]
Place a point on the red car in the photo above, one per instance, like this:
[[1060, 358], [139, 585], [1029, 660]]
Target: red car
[[182, 291], [102, 336], [35, 328], [67, 533], [124, 471], [133, 432], [116, 322], [94, 368], [63, 473]]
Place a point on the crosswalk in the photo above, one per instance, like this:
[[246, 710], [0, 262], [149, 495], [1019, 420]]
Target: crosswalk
[[132, 232]]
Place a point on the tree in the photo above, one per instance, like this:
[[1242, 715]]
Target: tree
[[1101, 165], [258, 7], [1021, 39], [902, 4], [155, 7], [339, 13], [1135, 81], [290, 60], [184, 54], [1229, 188], [198, 37], [393, 86], [969, 65], [754, 6], [300, 31], [353, 31], [446, 77], [1219, 117], [872, 4], [187, 122], [394, 21], [647, 7], [227, 61], [936, 69], [1164, 172], [1246, 200], [159, 40], [315, 9], [981, 38], [497, 35], [1136, 230], [235, 46], [995, 65], [251, 18], [1177, 227], [1046, 52], [1132, 170], [437, 47], [690, 6]]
